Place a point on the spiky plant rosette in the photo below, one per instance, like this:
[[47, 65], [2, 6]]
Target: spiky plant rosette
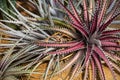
[[95, 41], [78, 40]]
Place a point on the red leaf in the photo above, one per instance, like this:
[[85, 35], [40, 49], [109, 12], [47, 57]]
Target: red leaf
[[88, 54], [102, 12], [111, 32], [112, 48], [108, 43], [81, 29], [93, 69], [75, 12], [103, 27], [98, 62], [109, 38], [86, 17], [86, 70], [102, 55], [74, 19], [93, 27], [68, 50]]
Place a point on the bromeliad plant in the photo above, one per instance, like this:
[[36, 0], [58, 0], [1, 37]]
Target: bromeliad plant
[[78, 40], [92, 40]]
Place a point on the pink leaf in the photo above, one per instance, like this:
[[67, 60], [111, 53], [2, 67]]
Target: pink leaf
[[75, 12], [102, 55], [111, 32], [98, 62], [75, 22], [88, 54], [68, 50], [86, 17], [86, 70], [103, 27], [94, 23], [112, 48], [93, 69], [108, 43], [74, 19], [102, 12], [109, 38], [81, 29]]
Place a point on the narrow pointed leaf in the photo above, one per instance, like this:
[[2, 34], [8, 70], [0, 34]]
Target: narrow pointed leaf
[[88, 54], [86, 70], [53, 44], [108, 43], [102, 12], [68, 50], [74, 19], [86, 16], [96, 58], [81, 29], [111, 32], [112, 55], [75, 12], [103, 27], [109, 38], [94, 23], [94, 73], [112, 48], [102, 55], [71, 62]]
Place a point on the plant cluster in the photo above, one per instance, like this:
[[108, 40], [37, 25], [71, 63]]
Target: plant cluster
[[64, 34]]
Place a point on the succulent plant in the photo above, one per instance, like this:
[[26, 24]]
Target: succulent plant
[[78, 38]]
